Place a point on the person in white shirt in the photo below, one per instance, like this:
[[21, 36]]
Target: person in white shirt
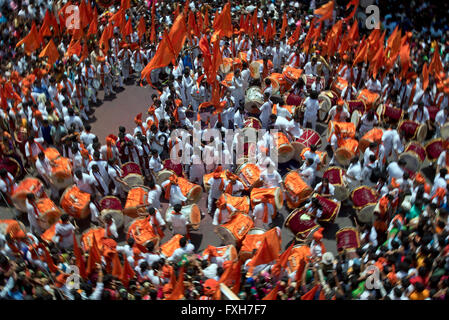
[[86, 136], [307, 172], [263, 212], [223, 213], [43, 168], [115, 174], [155, 164], [420, 114], [34, 215], [127, 250], [64, 231], [265, 110], [73, 120], [98, 181], [368, 168], [84, 182], [154, 194], [439, 181], [216, 184], [441, 119], [177, 221], [313, 155], [374, 85], [310, 114], [392, 142], [367, 122], [325, 189], [186, 248], [338, 113], [7, 182], [174, 195], [233, 186], [110, 227], [396, 169], [353, 174], [311, 67]]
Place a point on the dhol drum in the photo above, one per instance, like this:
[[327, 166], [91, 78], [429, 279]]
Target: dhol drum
[[229, 64], [321, 154], [142, 232], [242, 204], [274, 85], [169, 247], [50, 233], [325, 102], [277, 199], [374, 135], [227, 82], [433, 110], [190, 190], [389, 114], [355, 118], [299, 255], [132, 174], [253, 99], [309, 80], [75, 202], [284, 85], [235, 230], [252, 122], [307, 139], [292, 74], [301, 225], [49, 212], [15, 229], [254, 69], [112, 205], [347, 150], [61, 173], [284, 148], [297, 190], [335, 175], [137, 197], [371, 99], [339, 85], [330, 209], [192, 213], [255, 238], [356, 105], [52, 154], [444, 131], [28, 185], [12, 166], [227, 253], [347, 239], [434, 149], [249, 173], [413, 130], [164, 175], [414, 155], [293, 99], [343, 130], [364, 200]]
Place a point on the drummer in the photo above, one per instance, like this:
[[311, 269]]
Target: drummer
[[115, 173], [441, 118], [156, 222], [311, 154], [420, 114], [325, 189], [314, 209], [223, 213], [7, 184], [177, 222], [367, 122], [64, 232], [217, 185], [233, 186], [34, 215], [338, 113], [173, 192], [262, 212]]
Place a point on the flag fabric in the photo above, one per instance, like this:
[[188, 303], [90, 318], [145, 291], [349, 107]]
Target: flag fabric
[[49, 21], [404, 55], [272, 295], [105, 36], [74, 48], [284, 25], [425, 76], [79, 258], [32, 40], [282, 261], [63, 13], [300, 272], [94, 257], [178, 288], [355, 4], [362, 54], [231, 277], [310, 295], [51, 52], [84, 53], [83, 15], [93, 27], [332, 39], [127, 273], [325, 11], [264, 255], [128, 29], [309, 36], [125, 4], [48, 259], [435, 66], [153, 30], [295, 35], [118, 19], [141, 28]]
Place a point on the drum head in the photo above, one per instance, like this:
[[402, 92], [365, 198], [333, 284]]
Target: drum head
[[355, 117], [287, 153], [325, 102], [133, 180], [163, 176], [117, 215], [343, 156], [445, 131], [256, 231], [380, 112], [195, 216], [413, 162], [341, 192], [365, 214], [421, 133], [298, 146], [279, 199], [226, 236]]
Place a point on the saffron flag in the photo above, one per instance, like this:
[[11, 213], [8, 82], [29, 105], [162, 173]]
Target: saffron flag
[[425, 76], [79, 258], [264, 255], [178, 289], [127, 273], [355, 4], [48, 259], [232, 276], [284, 25], [310, 295], [141, 28], [32, 41], [74, 48], [295, 36], [94, 257], [125, 4], [51, 52], [93, 27], [325, 11], [128, 29], [272, 295]]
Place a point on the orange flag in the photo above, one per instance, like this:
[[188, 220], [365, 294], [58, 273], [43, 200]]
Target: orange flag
[[125, 4], [200, 22], [310, 295], [84, 53], [425, 76], [48, 259], [377, 61], [353, 33], [178, 34], [282, 261], [217, 60], [128, 29], [309, 35], [268, 31], [74, 48], [284, 25], [44, 31], [119, 19], [394, 43], [405, 59], [232, 276], [300, 272], [83, 15], [116, 266], [51, 52], [153, 30], [32, 41], [127, 273], [355, 4], [295, 35], [141, 28], [332, 39], [362, 54], [105, 36], [322, 295], [93, 27], [63, 13], [265, 254], [178, 289], [94, 257], [206, 22], [325, 11], [435, 66], [253, 25], [272, 295], [79, 258]]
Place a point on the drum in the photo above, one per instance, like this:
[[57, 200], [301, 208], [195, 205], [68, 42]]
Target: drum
[[249, 173], [293, 99], [163, 176], [355, 118], [325, 105], [301, 225], [433, 110], [339, 85], [235, 230], [277, 199], [190, 190], [252, 122], [242, 204], [321, 154], [309, 80], [330, 209], [371, 99], [137, 196], [274, 85], [434, 149], [335, 175], [253, 99], [347, 239], [413, 130], [75, 202], [96, 84], [331, 95], [374, 135], [227, 82], [308, 138], [254, 69], [226, 66], [444, 131], [12, 166], [192, 213], [50, 233], [112, 205], [284, 85], [292, 74], [389, 114], [142, 232], [297, 190], [356, 105], [284, 149], [414, 155], [171, 245], [16, 229], [61, 173], [347, 150], [254, 240], [28, 185], [341, 129], [132, 174], [364, 200], [49, 212], [228, 253], [52, 154]]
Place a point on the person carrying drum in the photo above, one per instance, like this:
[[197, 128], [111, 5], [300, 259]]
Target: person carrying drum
[[185, 248], [155, 220], [223, 213], [325, 189], [314, 209], [216, 184], [233, 186], [263, 212], [311, 110], [338, 113], [177, 222], [173, 192], [64, 231]]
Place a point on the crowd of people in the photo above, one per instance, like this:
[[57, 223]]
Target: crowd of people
[[295, 56]]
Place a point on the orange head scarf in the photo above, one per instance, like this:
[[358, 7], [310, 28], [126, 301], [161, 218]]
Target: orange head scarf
[[173, 181], [265, 200]]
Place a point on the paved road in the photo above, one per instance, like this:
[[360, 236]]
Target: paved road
[[121, 111]]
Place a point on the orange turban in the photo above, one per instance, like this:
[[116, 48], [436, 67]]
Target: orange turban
[[340, 102], [318, 235], [419, 178], [138, 119]]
